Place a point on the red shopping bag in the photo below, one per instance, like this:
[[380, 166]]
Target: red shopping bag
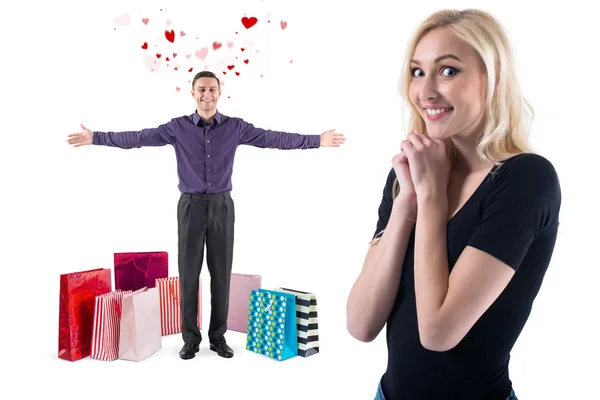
[[137, 270], [78, 291], [170, 308], [107, 322]]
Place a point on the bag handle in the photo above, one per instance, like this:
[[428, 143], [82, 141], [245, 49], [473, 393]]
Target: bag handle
[[172, 291], [117, 307], [147, 268], [89, 288]]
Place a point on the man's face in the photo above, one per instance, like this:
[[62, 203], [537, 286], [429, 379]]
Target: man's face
[[206, 93]]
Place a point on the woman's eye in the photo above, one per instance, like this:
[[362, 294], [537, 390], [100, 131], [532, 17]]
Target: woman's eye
[[417, 72], [449, 71]]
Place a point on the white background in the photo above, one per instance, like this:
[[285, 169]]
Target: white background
[[303, 218]]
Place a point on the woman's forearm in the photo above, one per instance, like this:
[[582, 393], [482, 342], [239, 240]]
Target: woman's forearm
[[374, 292]]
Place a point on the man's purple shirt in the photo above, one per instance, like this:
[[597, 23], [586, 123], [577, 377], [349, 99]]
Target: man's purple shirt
[[205, 153]]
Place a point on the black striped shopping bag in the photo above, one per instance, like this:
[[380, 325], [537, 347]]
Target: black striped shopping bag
[[306, 321]]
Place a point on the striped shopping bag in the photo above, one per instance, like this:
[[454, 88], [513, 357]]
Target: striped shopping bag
[[170, 308], [306, 320], [107, 320]]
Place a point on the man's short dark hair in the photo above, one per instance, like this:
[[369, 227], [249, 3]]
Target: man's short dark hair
[[205, 74]]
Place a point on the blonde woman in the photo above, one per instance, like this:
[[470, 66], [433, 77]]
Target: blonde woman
[[467, 223]]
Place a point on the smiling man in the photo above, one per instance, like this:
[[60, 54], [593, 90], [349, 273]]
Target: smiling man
[[205, 143]]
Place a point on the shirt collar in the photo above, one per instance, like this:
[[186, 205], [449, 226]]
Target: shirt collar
[[197, 118]]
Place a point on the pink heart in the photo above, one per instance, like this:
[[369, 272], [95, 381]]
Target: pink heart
[[230, 44], [182, 33], [178, 89], [202, 53], [188, 56], [283, 24], [145, 21]]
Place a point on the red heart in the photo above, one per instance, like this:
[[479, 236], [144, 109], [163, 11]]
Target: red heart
[[224, 73], [145, 21], [246, 61], [283, 25], [175, 69], [145, 46], [174, 55], [249, 22], [230, 67], [190, 70], [237, 73], [170, 36], [167, 58], [243, 49], [217, 45], [178, 89], [158, 56]]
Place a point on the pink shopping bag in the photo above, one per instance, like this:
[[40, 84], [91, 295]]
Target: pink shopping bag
[[140, 325], [239, 299]]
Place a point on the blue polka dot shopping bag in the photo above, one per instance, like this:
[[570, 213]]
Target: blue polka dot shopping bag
[[272, 324]]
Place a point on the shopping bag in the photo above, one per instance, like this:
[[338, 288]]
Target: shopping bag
[[76, 311], [272, 324], [107, 324], [239, 298], [136, 270], [307, 323], [170, 307], [140, 325]]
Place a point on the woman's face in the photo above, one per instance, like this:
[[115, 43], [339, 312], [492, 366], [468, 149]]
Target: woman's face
[[448, 85]]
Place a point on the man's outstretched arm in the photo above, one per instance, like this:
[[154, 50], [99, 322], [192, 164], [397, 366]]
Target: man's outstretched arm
[[160, 136], [270, 139]]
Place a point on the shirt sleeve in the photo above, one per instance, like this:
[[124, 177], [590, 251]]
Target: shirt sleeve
[[160, 136], [269, 139], [385, 206], [522, 204]]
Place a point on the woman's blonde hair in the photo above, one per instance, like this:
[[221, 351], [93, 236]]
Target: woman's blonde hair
[[508, 115]]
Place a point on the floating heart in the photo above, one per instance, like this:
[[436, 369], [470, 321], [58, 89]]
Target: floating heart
[[167, 59], [190, 70], [157, 55], [182, 33], [178, 89], [243, 49], [283, 25], [202, 53], [230, 67], [145, 46], [175, 69], [291, 61], [230, 44], [170, 36], [188, 56], [246, 61], [224, 73], [217, 45], [174, 55], [145, 21], [237, 73], [249, 22]]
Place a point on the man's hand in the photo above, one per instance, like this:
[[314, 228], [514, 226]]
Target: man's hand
[[82, 138], [331, 139]]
